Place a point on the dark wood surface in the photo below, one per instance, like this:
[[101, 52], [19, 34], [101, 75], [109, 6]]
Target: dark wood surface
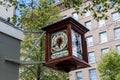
[[69, 62]]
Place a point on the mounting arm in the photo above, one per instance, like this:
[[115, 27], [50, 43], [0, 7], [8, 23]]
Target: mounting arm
[[24, 62]]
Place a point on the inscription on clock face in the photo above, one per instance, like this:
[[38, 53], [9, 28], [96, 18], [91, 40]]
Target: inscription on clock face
[[58, 41]]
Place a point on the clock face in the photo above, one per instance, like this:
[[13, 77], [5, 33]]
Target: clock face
[[59, 41]]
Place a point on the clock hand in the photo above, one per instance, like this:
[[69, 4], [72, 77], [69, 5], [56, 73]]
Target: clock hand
[[59, 41]]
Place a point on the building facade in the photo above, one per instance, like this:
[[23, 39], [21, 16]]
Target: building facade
[[103, 35], [6, 12], [10, 38]]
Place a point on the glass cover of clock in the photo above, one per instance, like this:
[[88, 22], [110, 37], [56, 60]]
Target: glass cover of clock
[[76, 44], [59, 41]]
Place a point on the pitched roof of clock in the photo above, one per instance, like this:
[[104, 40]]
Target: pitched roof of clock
[[65, 21]]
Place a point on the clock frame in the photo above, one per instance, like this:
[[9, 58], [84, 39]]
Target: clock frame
[[71, 54]]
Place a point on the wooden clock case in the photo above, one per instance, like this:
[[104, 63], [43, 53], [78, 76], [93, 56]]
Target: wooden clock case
[[69, 62]]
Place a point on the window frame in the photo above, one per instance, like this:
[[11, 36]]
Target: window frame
[[91, 59], [106, 50], [118, 37], [101, 23], [77, 77], [115, 16], [92, 74], [87, 13], [56, 1], [65, 16], [90, 42], [100, 37], [118, 50], [76, 17], [87, 22], [99, 7]]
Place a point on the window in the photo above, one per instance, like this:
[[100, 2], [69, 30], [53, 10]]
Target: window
[[88, 25], [118, 48], [91, 57], [79, 75], [89, 41], [93, 74], [75, 15], [117, 33], [103, 37], [101, 22], [105, 50], [67, 78], [87, 13], [65, 16], [115, 16], [111, 3], [57, 0], [99, 7]]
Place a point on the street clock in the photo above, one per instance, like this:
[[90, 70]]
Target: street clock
[[66, 48]]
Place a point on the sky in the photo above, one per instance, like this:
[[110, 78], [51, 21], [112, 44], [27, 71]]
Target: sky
[[26, 2]]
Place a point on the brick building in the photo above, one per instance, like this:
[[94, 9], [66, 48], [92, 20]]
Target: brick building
[[103, 35]]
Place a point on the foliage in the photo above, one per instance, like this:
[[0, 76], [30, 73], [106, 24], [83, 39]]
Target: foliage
[[97, 7], [32, 19], [38, 72], [109, 66], [47, 14]]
